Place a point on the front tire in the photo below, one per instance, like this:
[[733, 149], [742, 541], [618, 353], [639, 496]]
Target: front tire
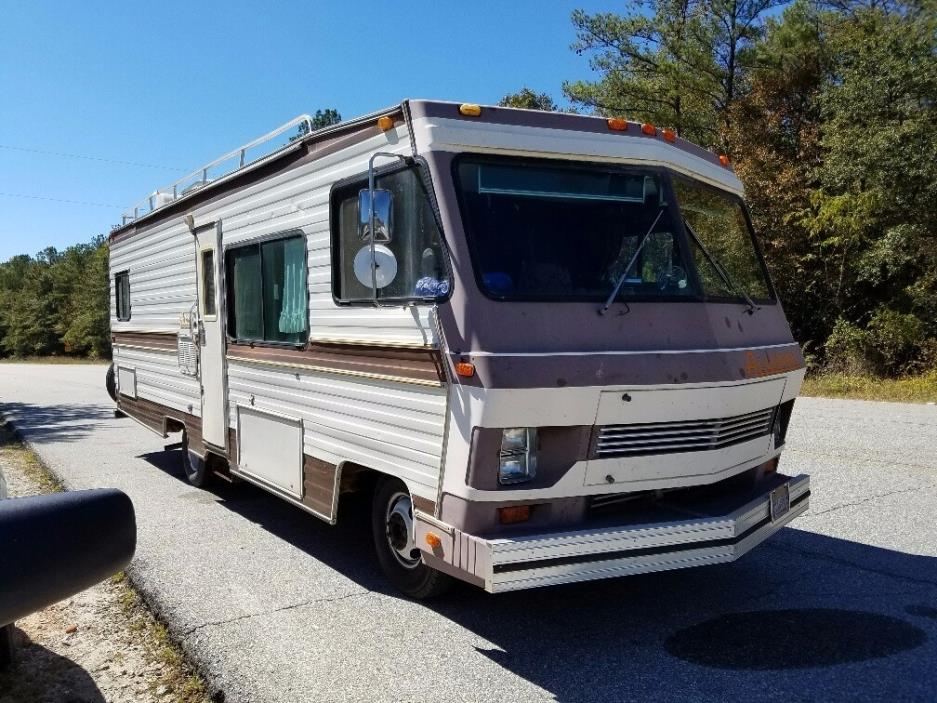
[[397, 553], [196, 469]]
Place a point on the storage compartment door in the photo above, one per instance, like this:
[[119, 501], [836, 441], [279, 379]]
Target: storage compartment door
[[270, 449]]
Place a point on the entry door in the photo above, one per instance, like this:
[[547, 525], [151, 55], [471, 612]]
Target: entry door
[[212, 336]]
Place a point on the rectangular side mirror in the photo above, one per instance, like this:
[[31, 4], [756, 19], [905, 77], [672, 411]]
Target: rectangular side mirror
[[383, 215]]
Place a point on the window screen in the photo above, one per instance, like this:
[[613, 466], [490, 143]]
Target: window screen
[[413, 250], [267, 291], [208, 282], [122, 293]]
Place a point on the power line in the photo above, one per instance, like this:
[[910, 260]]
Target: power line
[[60, 200], [89, 158]]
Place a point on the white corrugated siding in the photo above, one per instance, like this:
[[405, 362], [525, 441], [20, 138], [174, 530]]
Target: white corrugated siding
[[158, 378], [392, 427]]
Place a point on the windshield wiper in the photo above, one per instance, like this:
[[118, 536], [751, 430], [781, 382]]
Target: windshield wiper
[[721, 270], [621, 279]]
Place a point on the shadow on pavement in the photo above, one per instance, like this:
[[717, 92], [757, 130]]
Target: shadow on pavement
[[61, 423], [804, 611]]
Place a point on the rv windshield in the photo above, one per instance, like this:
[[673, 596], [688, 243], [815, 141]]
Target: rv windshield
[[554, 231]]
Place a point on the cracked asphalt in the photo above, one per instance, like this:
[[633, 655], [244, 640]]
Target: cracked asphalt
[[274, 605]]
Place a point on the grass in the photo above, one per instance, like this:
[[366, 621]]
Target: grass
[[177, 675], [909, 389], [51, 360]]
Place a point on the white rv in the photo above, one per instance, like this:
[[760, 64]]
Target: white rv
[[546, 344]]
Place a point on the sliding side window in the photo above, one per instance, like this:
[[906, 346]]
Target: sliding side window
[[122, 294], [408, 255], [266, 284]]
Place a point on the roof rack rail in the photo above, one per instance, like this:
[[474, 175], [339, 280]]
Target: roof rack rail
[[218, 168]]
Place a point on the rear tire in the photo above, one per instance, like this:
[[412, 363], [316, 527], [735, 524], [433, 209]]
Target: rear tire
[[397, 553], [111, 383], [196, 470]]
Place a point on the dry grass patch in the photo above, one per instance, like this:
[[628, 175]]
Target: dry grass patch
[[910, 389]]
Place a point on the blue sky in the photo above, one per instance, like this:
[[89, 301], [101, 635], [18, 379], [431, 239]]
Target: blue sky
[[175, 84]]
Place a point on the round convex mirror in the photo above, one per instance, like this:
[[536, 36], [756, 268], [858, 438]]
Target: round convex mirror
[[385, 266]]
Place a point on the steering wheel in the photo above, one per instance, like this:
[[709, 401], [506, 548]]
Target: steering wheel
[[673, 276]]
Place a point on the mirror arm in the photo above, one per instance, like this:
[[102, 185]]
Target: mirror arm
[[371, 232]]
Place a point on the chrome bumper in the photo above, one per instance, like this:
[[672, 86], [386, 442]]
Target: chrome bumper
[[506, 564]]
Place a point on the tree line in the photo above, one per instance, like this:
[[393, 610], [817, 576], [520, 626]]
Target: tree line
[[56, 302], [828, 111]]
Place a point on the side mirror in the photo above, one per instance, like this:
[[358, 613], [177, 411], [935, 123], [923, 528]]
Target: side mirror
[[383, 215]]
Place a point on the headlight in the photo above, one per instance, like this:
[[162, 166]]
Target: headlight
[[518, 455]]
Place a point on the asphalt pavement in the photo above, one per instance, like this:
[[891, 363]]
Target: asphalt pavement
[[275, 605]]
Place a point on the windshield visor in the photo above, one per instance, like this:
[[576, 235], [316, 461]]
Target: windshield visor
[[546, 231]]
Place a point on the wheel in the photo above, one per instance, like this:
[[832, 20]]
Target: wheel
[[6, 646], [397, 553], [196, 469], [111, 383]]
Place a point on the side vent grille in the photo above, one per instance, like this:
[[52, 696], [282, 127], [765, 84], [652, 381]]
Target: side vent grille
[[685, 436]]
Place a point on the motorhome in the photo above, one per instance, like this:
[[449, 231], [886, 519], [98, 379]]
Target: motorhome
[[546, 345]]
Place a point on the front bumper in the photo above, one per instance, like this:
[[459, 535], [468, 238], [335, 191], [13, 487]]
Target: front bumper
[[508, 564]]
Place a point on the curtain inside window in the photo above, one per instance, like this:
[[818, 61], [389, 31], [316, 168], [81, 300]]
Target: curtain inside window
[[248, 310], [293, 311]]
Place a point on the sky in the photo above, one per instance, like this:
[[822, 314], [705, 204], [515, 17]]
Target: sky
[[150, 91]]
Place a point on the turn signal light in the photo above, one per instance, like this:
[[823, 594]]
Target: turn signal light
[[385, 123], [514, 514], [465, 368], [724, 160], [669, 135], [470, 109], [617, 124], [648, 128], [433, 540]]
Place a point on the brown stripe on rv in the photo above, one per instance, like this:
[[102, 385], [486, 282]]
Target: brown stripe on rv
[[157, 340], [647, 368], [156, 417], [318, 484], [423, 365], [312, 149]]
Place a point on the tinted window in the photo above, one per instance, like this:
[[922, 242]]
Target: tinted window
[[122, 294], [718, 221], [267, 291], [412, 255], [208, 281], [550, 231]]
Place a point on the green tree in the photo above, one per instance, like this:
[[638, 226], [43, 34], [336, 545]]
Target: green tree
[[529, 100], [676, 63]]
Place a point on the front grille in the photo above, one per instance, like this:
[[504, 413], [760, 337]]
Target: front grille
[[684, 436]]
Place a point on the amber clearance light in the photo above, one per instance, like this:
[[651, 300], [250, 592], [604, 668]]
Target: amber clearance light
[[617, 124], [465, 369], [724, 160], [470, 109], [648, 128], [385, 123], [669, 135]]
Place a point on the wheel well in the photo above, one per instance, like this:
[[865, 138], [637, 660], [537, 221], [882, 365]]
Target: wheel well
[[172, 425], [355, 478]]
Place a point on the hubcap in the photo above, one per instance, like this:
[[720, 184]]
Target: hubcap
[[400, 530]]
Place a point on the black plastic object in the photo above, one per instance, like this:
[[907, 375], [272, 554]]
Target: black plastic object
[[54, 546]]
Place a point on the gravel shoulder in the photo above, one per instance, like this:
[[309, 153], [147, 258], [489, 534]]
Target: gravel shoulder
[[101, 645]]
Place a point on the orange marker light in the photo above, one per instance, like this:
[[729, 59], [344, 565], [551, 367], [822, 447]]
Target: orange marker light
[[514, 514], [433, 540], [648, 128], [669, 135], [385, 123], [618, 124], [465, 368], [470, 109], [724, 160]]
